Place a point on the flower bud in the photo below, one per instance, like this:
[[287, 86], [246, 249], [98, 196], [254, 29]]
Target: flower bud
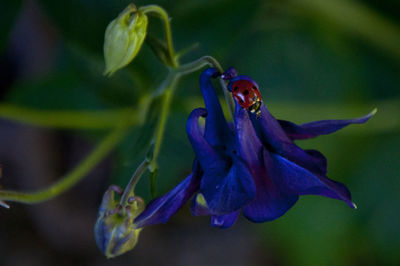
[[123, 38], [115, 232]]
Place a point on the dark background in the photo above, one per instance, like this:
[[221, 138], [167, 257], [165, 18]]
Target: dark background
[[313, 59]]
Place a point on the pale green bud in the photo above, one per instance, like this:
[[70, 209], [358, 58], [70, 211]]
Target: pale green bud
[[115, 232], [123, 38]]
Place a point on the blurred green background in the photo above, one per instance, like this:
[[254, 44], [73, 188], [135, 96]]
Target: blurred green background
[[313, 59]]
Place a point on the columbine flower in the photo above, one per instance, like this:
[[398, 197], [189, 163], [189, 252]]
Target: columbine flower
[[253, 166]]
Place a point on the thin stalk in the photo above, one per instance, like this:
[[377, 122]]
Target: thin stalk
[[198, 64], [228, 99], [167, 27], [130, 188], [68, 119], [76, 175], [162, 122]]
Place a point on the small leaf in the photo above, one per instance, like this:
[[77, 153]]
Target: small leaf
[[187, 50], [160, 49]]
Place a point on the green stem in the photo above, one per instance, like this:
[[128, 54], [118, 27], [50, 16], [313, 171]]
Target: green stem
[[76, 175], [228, 99], [162, 122], [130, 188], [168, 35], [69, 119], [167, 89], [198, 64]]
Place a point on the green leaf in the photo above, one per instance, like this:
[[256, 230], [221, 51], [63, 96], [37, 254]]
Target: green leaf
[[160, 49]]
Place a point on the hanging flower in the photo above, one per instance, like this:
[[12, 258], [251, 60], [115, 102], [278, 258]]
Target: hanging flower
[[254, 166]]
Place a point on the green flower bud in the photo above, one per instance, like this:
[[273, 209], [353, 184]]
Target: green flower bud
[[115, 232], [123, 38]]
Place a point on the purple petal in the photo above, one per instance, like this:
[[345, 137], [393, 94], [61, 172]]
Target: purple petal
[[224, 221], [318, 159], [271, 201], [206, 154], [217, 131], [323, 127], [301, 181], [248, 144], [269, 130], [275, 140], [229, 74], [161, 209], [226, 186], [229, 191]]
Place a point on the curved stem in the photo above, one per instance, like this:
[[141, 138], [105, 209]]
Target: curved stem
[[76, 175], [132, 183], [228, 99], [166, 89], [162, 122], [167, 27], [198, 64]]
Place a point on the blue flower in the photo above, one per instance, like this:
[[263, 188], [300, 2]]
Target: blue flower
[[253, 166]]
